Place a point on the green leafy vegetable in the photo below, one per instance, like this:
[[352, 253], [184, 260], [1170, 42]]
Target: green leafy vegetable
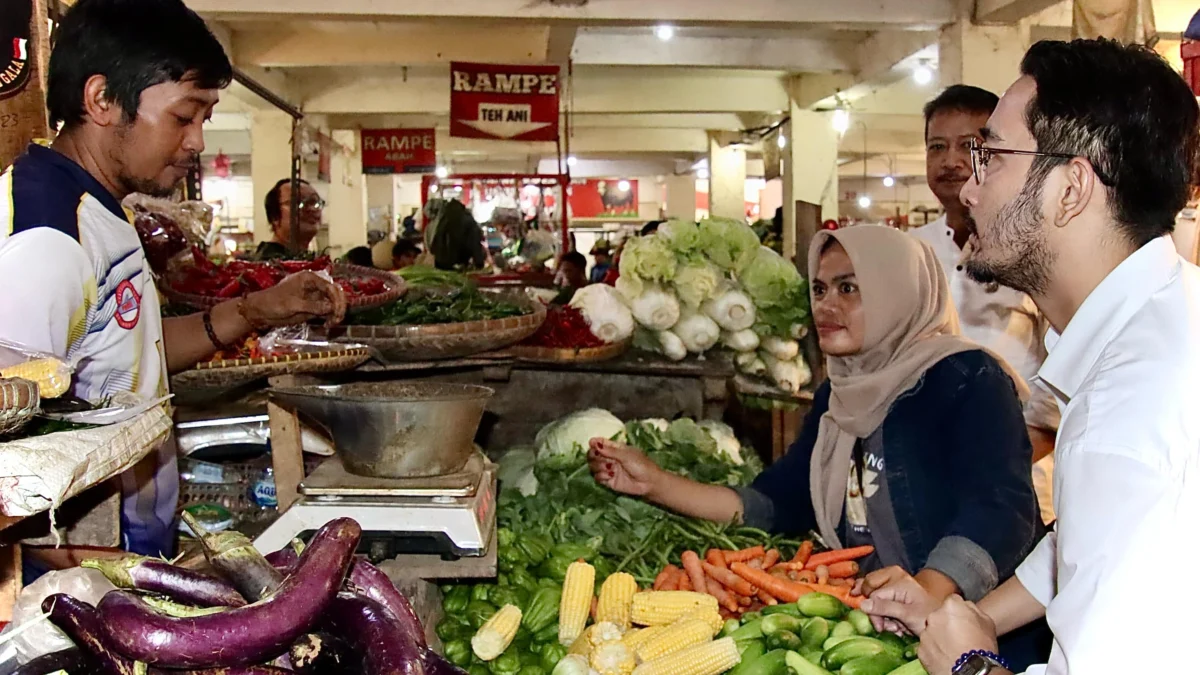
[[436, 306]]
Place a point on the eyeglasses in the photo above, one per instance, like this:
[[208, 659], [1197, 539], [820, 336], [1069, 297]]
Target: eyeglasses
[[981, 155], [313, 203]]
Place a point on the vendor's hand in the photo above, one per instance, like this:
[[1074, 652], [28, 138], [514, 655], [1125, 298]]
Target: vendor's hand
[[954, 629], [298, 298], [896, 600], [622, 468]]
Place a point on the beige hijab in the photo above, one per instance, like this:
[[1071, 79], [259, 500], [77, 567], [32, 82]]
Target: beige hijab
[[911, 324]]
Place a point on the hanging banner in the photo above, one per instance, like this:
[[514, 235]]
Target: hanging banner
[[512, 103], [399, 151], [604, 199], [15, 47]]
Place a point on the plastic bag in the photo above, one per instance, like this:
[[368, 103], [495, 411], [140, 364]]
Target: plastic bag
[[43, 637], [53, 381], [168, 230]]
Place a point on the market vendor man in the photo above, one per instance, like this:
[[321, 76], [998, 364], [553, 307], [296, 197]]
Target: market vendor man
[[278, 205], [131, 82]]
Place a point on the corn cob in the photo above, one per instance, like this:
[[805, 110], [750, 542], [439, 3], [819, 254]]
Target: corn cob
[[657, 608], [604, 631], [612, 658], [713, 619], [582, 646], [497, 633], [709, 658], [678, 636], [616, 599], [636, 638], [576, 601], [52, 376]]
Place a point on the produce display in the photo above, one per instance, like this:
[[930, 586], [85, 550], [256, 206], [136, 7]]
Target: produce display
[[238, 277], [564, 327], [692, 288], [321, 611], [438, 297]]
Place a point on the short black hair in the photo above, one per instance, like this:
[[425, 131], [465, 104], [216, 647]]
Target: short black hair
[[575, 258], [272, 203], [134, 44], [961, 98], [651, 227], [1125, 110], [405, 247], [360, 255]]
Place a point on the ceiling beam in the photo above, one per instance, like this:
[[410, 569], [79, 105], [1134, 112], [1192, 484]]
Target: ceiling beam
[[595, 46], [928, 13], [725, 121], [561, 42], [877, 62], [1009, 11]]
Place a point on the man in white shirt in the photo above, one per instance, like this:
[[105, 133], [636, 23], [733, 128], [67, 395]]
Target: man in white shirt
[[999, 318], [1083, 168]]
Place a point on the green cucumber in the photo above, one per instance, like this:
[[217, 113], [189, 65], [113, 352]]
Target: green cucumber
[[751, 616], [784, 639], [751, 648], [802, 666], [783, 608], [750, 631], [843, 629], [752, 652], [879, 664], [861, 622], [771, 663], [815, 632], [813, 654], [780, 622], [822, 605], [895, 645], [910, 668], [730, 627], [853, 648], [834, 641]]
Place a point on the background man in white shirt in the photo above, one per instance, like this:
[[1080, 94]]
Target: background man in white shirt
[[999, 318], [1085, 164]]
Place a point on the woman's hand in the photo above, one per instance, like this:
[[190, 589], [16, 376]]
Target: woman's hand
[[622, 468]]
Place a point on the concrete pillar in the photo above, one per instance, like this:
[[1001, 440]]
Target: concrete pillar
[[346, 213], [809, 175], [982, 56], [681, 197], [270, 161], [727, 180]]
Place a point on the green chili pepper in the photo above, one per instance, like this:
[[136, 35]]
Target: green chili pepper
[[458, 652]]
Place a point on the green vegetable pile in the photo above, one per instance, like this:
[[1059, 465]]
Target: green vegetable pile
[[818, 635], [438, 296], [551, 512]]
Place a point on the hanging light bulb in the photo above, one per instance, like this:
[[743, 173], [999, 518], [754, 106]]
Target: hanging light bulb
[[782, 141], [840, 120], [442, 172], [623, 186], [923, 75], [571, 161], [888, 181], [702, 173], [664, 32], [864, 202]]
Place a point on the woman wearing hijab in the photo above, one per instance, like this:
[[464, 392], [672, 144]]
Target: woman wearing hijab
[[915, 445]]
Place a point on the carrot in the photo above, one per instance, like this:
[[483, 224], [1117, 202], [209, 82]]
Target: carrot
[[661, 579], [806, 577], [734, 582], [685, 583], [839, 592], [853, 601], [714, 556], [595, 604], [724, 598], [783, 590], [829, 557], [770, 559], [766, 599], [744, 601], [843, 570], [691, 564], [745, 554], [822, 574], [790, 566], [803, 552], [757, 563]]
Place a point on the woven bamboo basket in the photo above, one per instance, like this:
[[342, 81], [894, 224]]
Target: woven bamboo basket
[[571, 355], [235, 372], [395, 285], [19, 402]]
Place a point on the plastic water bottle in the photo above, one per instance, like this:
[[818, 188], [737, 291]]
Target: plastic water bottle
[[263, 492]]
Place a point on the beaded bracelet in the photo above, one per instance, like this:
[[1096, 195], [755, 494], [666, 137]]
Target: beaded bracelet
[[980, 652], [212, 333]]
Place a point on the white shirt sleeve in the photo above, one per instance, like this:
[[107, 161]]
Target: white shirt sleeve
[[51, 285], [1041, 410], [1036, 573]]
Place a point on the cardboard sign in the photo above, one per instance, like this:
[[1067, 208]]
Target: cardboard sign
[[399, 151], [603, 198], [514, 103]]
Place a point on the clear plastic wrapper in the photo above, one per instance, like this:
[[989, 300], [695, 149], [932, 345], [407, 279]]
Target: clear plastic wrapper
[[36, 636], [50, 373]]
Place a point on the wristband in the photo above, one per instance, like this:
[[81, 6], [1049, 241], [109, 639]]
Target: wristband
[[990, 656], [212, 333]]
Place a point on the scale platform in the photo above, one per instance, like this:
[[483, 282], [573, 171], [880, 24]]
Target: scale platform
[[452, 516]]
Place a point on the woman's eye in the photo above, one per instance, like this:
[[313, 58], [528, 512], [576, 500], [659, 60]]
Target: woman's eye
[[847, 288]]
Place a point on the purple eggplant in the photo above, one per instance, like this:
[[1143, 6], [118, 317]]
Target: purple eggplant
[[371, 581], [156, 576], [244, 635], [234, 556], [285, 558], [324, 654], [72, 660], [385, 646], [82, 623]]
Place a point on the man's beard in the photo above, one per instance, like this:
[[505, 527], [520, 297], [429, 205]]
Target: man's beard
[[145, 186], [1016, 233]]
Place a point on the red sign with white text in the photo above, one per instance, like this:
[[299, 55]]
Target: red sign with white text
[[399, 151], [511, 103], [604, 198]]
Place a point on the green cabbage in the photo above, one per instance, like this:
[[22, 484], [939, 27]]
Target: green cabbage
[[645, 259], [683, 237], [778, 291], [564, 442], [696, 282], [730, 244]]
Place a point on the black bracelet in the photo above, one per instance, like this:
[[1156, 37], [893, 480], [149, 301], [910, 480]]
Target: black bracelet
[[212, 333]]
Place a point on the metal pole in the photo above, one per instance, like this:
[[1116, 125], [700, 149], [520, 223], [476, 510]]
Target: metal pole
[[294, 191]]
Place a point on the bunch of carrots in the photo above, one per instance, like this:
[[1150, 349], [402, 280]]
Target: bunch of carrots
[[749, 579]]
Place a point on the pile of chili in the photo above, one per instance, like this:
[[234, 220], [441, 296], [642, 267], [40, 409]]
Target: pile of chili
[[239, 277], [564, 328]]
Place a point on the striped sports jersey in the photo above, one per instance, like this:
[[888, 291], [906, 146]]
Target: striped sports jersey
[[75, 282]]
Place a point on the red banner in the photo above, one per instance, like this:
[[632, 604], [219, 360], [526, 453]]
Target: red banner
[[399, 150], [512, 103], [604, 198]]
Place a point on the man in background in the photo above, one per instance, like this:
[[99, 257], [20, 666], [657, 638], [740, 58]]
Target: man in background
[[278, 205], [405, 254], [602, 254]]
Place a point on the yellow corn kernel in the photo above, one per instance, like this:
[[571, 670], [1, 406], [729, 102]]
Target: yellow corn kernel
[[576, 601], [582, 646], [678, 636], [658, 608], [713, 619], [613, 658], [636, 638], [497, 633], [52, 376], [602, 632], [709, 658], [616, 599]]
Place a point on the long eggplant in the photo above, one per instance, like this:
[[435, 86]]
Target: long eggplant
[[72, 660], [156, 576], [371, 581], [234, 556], [386, 648], [244, 635], [324, 654]]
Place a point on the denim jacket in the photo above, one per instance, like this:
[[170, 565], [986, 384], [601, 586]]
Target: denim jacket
[[958, 464]]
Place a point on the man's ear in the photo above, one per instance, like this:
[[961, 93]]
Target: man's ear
[[1076, 192], [97, 106]]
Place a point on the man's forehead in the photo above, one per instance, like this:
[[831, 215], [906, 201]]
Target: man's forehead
[[1008, 122], [956, 122], [185, 91]]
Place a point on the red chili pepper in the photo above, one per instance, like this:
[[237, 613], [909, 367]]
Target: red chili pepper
[[564, 327], [230, 290]]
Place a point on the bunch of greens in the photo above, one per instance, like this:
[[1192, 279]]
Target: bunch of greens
[[443, 305]]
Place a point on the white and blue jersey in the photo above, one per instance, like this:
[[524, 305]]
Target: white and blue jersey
[[77, 285]]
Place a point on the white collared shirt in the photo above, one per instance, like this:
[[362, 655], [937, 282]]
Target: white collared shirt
[[1127, 484]]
